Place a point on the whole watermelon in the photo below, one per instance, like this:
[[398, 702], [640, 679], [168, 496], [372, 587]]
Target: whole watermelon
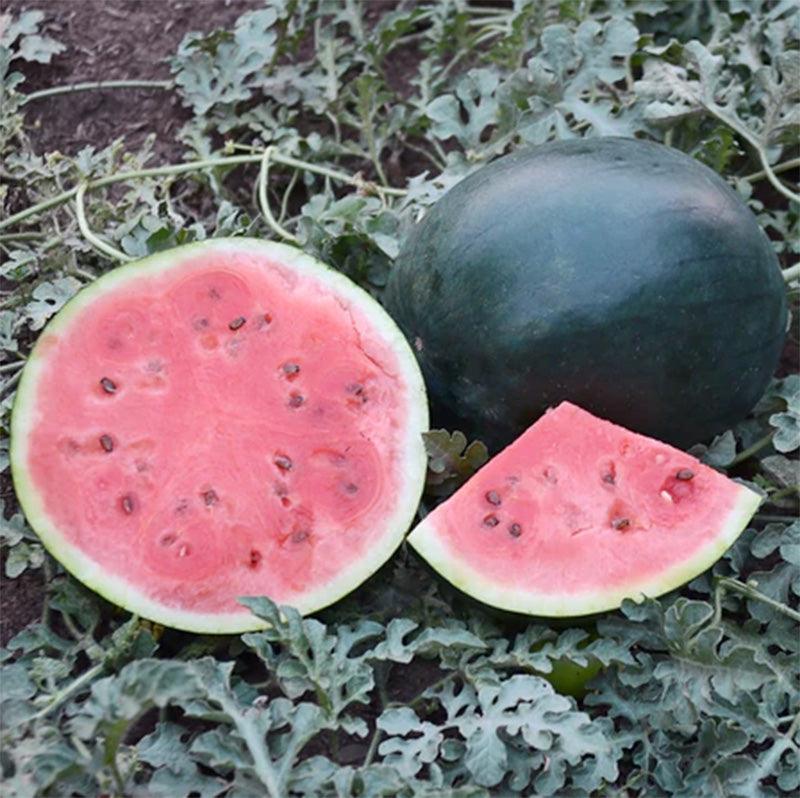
[[618, 274]]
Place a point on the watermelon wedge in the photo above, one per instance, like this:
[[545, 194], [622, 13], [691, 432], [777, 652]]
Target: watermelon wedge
[[578, 514], [224, 419]]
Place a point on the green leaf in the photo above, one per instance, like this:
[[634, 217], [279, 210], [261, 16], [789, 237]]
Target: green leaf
[[222, 68], [784, 578], [473, 97], [22, 36], [781, 470], [567, 73], [309, 659], [721, 451], [397, 647], [451, 461], [39, 48], [527, 705], [408, 754], [8, 328], [23, 549], [48, 299], [166, 750], [787, 435]]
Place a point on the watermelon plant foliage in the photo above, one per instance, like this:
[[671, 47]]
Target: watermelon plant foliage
[[405, 688]]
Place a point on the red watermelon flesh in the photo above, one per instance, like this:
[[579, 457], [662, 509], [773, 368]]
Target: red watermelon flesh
[[225, 419], [578, 514]]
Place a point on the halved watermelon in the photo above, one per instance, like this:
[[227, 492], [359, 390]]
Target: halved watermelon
[[578, 514], [224, 419]]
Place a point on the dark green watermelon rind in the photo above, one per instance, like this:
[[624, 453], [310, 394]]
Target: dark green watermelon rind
[[618, 274], [114, 587], [429, 544]]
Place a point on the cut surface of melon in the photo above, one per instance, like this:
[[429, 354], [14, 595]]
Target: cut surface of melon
[[578, 514], [224, 419]]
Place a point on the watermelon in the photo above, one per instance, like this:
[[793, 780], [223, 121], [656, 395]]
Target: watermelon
[[577, 515], [224, 419], [617, 274]]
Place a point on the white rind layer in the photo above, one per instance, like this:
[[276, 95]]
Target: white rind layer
[[124, 594], [429, 543]]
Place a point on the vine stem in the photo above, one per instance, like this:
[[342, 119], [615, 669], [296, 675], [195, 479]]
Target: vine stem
[[194, 166], [10, 383], [263, 199], [76, 686], [98, 84], [17, 364], [287, 194], [756, 145], [781, 167], [373, 747], [489, 11], [783, 492], [21, 237], [88, 276], [770, 175], [792, 273], [726, 583], [751, 450], [97, 243]]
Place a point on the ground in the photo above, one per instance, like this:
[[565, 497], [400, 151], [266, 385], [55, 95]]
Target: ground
[[115, 40]]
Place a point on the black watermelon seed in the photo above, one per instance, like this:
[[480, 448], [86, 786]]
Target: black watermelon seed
[[621, 523], [296, 400], [168, 539], [609, 478], [109, 386], [493, 497], [300, 535], [291, 370], [357, 390], [255, 558], [283, 462], [210, 497], [685, 474], [515, 530], [237, 323], [491, 521], [128, 504], [107, 443], [351, 487]]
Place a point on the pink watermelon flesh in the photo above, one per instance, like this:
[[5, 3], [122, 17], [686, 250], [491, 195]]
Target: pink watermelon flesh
[[235, 420], [578, 514]]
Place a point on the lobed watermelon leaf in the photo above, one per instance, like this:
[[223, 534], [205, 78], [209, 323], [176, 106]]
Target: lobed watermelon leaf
[[451, 460]]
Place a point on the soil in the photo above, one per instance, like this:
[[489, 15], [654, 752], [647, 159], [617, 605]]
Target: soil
[[115, 40]]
